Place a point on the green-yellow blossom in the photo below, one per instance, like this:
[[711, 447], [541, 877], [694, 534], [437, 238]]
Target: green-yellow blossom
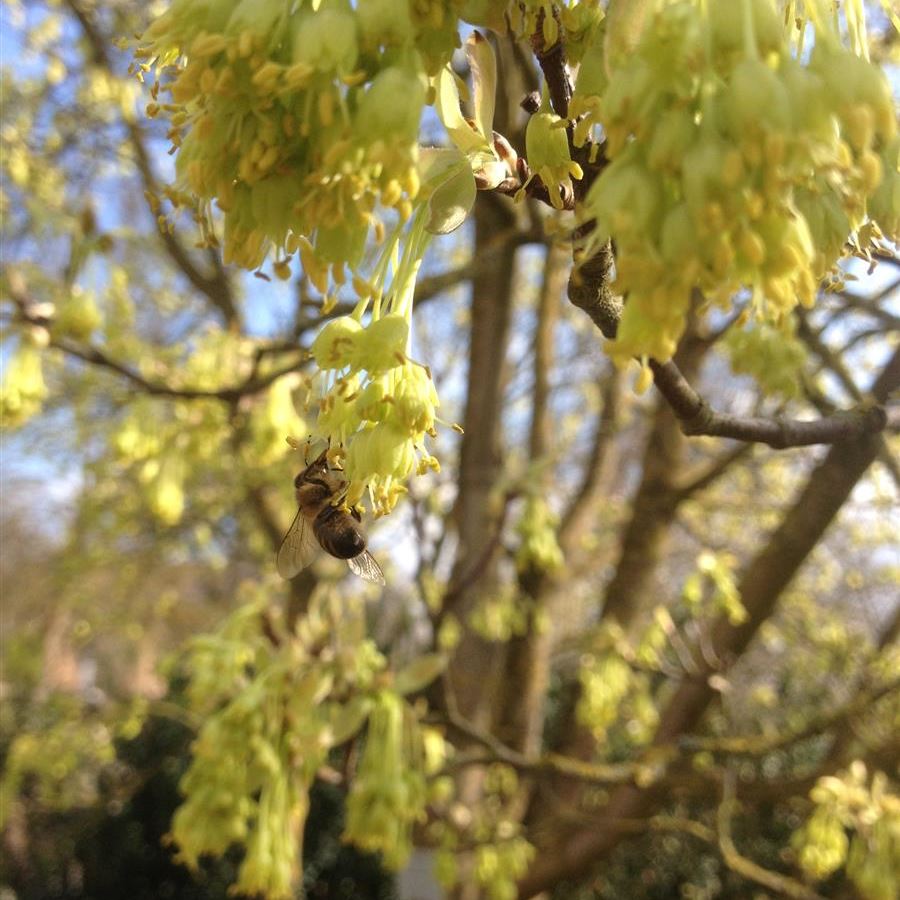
[[548, 155], [735, 162], [23, 390], [273, 122], [388, 794]]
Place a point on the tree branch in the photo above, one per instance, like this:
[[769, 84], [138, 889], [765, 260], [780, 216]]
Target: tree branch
[[834, 364], [522, 696], [782, 884], [250, 386], [697, 417], [695, 481], [33, 314], [579, 770], [761, 744], [589, 290], [577, 514]]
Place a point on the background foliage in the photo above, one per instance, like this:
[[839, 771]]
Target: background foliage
[[611, 660]]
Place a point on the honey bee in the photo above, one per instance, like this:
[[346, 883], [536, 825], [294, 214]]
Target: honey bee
[[322, 523]]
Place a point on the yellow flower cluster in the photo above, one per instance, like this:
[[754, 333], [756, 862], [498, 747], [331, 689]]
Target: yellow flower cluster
[[617, 692], [170, 446], [500, 856], [772, 354], [569, 21], [388, 795], [299, 124], [871, 813], [23, 390], [711, 590], [537, 529], [270, 713], [61, 760], [503, 614], [735, 161], [376, 404], [548, 154]]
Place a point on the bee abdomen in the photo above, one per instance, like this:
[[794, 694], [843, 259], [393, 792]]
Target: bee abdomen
[[338, 533]]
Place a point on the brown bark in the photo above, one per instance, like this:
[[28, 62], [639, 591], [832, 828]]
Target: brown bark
[[579, 515], [644, 542], [520, 709], [474, 670], [143, 679], [653, 513]]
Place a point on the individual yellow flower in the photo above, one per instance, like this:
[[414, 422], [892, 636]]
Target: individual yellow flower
[[547, 148]]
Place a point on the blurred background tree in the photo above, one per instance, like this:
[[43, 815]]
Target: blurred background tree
[[619, 653]]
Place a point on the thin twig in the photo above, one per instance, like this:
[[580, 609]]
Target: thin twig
[[697, 417], [782, 884], [589, 772], [761, 744]]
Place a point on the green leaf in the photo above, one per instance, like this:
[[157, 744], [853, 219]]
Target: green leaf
[[419, 673], [345, 719], [484, 82], [447, 103], [447, 177], [450, 204]]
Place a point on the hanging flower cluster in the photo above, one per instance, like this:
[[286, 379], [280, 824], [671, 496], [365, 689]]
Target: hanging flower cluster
[[377, 404], [389, 791], [290, 121], [169, 445], [23, 389], [302, 124], [548, 153], [539, 548], [270, 713], [772, 354], [856, 821], [735, 161], [483, 845]]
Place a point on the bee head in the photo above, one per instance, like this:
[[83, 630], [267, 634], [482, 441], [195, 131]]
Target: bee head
[[317, 469]]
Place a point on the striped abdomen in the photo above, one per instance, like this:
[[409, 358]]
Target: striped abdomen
[[339, 533]]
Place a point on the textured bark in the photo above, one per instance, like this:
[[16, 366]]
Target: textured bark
[[696, 416], [644, 541], [520, 710], [765, 578], [143, 678], [579, 515], [471, 683], [655, 503], [474, 670]]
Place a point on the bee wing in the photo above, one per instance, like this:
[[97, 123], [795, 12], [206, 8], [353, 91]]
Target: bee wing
[[298, 548], [366, 567]]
